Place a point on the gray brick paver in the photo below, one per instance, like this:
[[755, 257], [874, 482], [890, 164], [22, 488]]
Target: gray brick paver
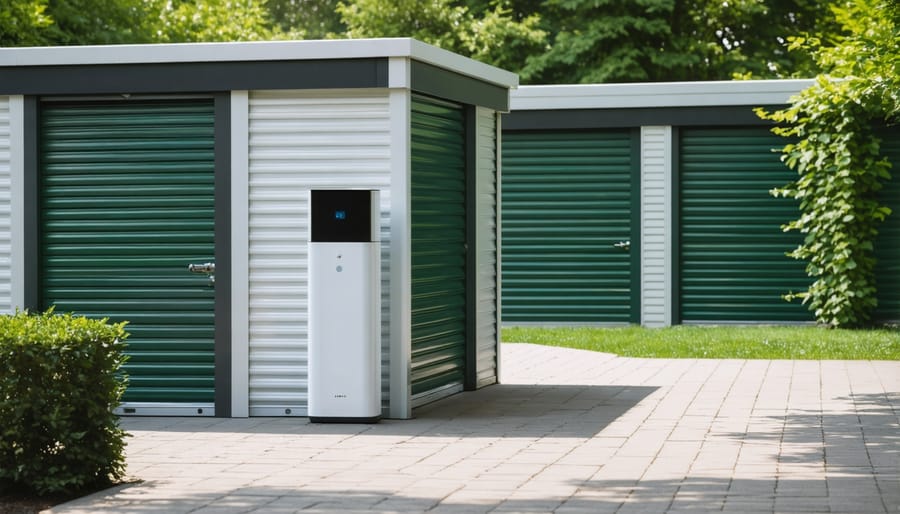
[[570, 431]]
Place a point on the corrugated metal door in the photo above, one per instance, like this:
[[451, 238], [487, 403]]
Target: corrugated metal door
[[566, 202], [732, 249], [438, 247], [887, 246], [126, 205]]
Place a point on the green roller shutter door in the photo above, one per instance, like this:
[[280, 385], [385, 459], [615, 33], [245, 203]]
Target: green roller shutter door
[[887, 246], [126, 205], [733, 266], [438, 246], [566, 201]]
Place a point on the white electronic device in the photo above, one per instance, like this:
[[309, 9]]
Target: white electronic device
[[344, 306]]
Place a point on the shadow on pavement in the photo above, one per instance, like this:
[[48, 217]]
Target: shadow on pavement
[[496, 411]]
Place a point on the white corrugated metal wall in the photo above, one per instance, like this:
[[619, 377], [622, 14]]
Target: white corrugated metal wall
[[656, 226], [301, 140], [5, 207], [487, 321]]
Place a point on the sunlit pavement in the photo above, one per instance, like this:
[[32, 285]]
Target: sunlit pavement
[[567, 431]]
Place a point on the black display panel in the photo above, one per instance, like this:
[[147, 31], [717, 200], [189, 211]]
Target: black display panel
[[341, 216]]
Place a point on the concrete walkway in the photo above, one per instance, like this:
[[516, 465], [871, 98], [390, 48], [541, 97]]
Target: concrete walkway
[[567, 431]]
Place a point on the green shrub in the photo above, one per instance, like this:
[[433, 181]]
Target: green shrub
[[60, 379]]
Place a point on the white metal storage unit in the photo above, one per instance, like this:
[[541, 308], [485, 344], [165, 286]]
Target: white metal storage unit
[[288, 117]]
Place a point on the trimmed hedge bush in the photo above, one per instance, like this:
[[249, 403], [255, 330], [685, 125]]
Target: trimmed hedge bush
[[60, 379]]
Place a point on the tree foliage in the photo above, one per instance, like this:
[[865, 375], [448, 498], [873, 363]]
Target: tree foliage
[[97, 22], [838, 159], [22, 23], [545, 41], [309, 19], [492, 36], [665, 40], [211, 20]]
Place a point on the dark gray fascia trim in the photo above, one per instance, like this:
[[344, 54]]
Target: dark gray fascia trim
[[222, 231], [556, 119], [193, 77], [441, 83], [32, 212]]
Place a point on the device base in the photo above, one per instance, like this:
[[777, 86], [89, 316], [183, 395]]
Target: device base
[[321, 419]]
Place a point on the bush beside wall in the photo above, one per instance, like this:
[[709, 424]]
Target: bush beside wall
[[60, 379]]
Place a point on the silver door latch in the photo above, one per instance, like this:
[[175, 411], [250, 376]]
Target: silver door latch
[[208, 268], [625, 245]]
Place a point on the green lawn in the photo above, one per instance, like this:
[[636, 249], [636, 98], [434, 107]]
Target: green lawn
[[720, 342]]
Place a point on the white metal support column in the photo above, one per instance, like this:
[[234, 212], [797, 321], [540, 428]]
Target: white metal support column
[[401, 236], [656, 226], [240, 267]]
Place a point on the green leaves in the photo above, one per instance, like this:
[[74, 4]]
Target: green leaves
[[492, 36], [59, 381], [837, 158]]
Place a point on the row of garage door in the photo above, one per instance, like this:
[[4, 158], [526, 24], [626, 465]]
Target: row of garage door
[[570, 237], [127, 201]]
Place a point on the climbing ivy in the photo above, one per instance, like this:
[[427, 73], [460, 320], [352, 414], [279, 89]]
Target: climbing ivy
[[837, 157]]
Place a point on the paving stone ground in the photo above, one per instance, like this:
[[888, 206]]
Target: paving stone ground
[[567, 431]]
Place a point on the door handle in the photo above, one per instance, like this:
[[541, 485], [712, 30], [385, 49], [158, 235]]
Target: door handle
[[625, 245], [208, 268]]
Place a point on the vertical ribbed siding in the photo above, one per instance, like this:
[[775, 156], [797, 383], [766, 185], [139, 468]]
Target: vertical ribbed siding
[[300, 140], [127, 202], [732, 248], [5, 207], [887, 246], [566, 200], [656, 226], [438, 303], [486, 245]]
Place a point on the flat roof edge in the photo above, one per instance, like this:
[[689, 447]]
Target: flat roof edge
[[256, 51], [657, 94]]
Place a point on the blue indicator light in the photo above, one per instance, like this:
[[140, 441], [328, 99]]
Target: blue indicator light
[[340, 215]]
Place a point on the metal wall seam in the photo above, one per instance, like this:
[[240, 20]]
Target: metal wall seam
[[486, 325], [240, 342], [6, 208], [299, 140], [656, 233]]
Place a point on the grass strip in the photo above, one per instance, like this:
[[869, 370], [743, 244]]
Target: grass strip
[[719, 342]]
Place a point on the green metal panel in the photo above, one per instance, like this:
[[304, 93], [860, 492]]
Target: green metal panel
[[887, 246], [126, 205], [438, 245], [566, 200], [732, 247]]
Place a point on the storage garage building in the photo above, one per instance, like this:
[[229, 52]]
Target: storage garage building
[[121, 165], [649, 203]]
